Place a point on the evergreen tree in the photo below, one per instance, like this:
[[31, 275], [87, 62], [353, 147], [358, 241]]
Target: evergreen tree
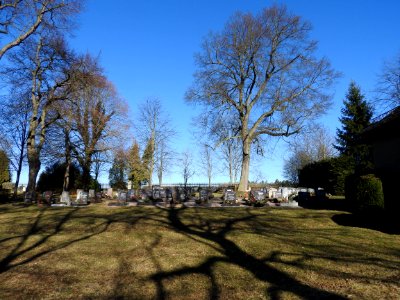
[[356, 116], [117, 172], [52, 178], [136, 174], [5, 175], [147, 160]]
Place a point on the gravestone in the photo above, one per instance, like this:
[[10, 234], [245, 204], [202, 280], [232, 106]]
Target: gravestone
[[78, 194], [158, 193], [65, 198], [110, 192], [91, 194], [284, 192], [122, 196], [272, 193], [229, 196], [168, 193], [99, 195], [131, 195], [257, 196], [46, 197], [83, 198], [204, 195]]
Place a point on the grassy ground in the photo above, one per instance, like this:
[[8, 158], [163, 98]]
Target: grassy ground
[[100, 252]]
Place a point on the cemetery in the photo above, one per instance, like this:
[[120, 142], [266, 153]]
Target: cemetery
[[199, 150]]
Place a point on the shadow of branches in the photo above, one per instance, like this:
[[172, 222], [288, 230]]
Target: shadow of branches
[[261, 268]]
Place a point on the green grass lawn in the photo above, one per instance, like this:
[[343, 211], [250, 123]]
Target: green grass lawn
[[101, 252]]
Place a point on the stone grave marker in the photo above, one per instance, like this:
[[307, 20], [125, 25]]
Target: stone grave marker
[[122, 196], [83, 199], [131, 195], [91, 194], [110, 193], [46, 197], [204, 195], [229, 197], [79, 194], [65, 198], [257, 196]]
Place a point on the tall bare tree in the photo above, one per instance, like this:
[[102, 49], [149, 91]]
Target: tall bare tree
[[186, 169], [154, 126], [19, 19], [207, 162], [388, 87], [263, 68], [97, 114], [14, 132], [313, 144], [40, 66], [222, 129]]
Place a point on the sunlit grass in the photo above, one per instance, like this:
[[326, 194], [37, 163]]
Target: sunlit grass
[[232, 253]]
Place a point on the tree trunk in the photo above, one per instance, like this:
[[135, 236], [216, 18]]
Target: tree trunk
[[19, 169], [86, 176], [160, 171], [34, 167], [67, 162], [244, 176], [230, 162]]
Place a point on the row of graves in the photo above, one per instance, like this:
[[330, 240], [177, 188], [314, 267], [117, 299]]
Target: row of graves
[[204, 197], [180, 195], [49, 198]]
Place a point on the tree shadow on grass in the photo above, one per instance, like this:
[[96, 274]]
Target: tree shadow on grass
[[25, 251], [233, 254], [47, 226], [374, 221]]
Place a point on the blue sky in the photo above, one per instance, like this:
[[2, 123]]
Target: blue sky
[[147, 48]]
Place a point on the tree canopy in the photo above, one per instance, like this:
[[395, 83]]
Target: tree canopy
[[264, 69]]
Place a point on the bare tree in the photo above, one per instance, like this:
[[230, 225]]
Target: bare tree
[[221, 129], [14, 131], [263, 68], [207, 162], [41, 66], [313, 144], [186, 169], [97, 115], [388, 87], [19, 19], [154, 126], [164, 155]]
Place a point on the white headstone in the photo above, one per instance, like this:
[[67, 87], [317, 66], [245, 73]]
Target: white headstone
[[110, 192], [91, 194], [78, 194], [65, 198]]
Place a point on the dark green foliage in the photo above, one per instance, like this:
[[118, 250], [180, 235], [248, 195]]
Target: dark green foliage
[[356, 116], [365, 192], [5, 175], [52, 178], [329, 174], [135, 167], [147, 158], [117, 172]]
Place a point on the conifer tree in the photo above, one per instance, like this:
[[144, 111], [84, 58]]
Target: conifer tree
[[136, 174], [117, 171], [147, 161], [356, 116], [5, 175]]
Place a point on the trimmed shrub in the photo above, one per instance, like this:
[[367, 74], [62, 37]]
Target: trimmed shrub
[[365, 192]]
